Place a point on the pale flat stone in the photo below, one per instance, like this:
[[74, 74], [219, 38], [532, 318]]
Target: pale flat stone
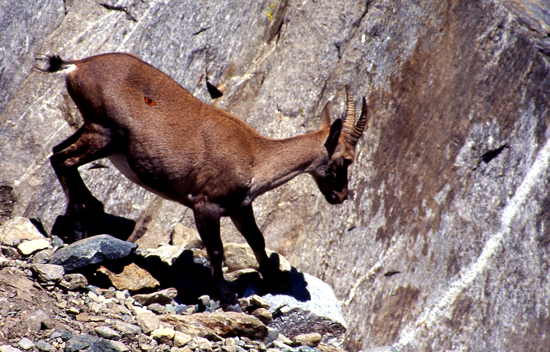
[[27, 248], [163, 334], [310, 340]]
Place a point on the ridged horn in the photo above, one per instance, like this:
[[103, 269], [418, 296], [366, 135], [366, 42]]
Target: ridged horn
[[359, 127], [353, 127], [349, 119]]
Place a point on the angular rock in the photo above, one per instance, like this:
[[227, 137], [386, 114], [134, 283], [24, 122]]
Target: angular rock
[[309, 300], [223, 324], [181, 339], [8, 348], [311, 340], [107, 332], [43, 346], [168, 254], [90, 344], [92, 250], [48, 272], [148, 322], [27, 248], [127, 328], [263, 314], [132, 278], [240, 256], [36, 320], [185, 236], [17, 230], [25, 344], [163, 335], [73, 281], [163, 297]]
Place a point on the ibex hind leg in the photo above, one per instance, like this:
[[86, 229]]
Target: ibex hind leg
[[89, 143]]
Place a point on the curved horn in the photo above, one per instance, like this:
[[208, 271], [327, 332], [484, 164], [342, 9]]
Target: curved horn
[[359, 125], [349, 119]]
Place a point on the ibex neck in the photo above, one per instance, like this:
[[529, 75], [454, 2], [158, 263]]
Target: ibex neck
[[280, 160]]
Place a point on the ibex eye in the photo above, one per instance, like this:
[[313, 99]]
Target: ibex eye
[[150, 101]]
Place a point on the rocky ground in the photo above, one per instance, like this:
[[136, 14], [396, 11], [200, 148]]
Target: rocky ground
[[104, 294]]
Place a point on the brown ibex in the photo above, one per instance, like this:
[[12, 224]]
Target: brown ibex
[[167, 141]]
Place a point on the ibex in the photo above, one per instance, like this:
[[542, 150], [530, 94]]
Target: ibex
[[167, 141]]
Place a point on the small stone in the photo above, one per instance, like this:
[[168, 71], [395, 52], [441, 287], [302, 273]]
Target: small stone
[[132, 278], [264, 315], [204, 301], [8, 348], [43, 346], [73, 282], [148, 322], [272, 335], [121, 295], [17, 230], [162, 297], [147, 344], [73, 310], [25, 343], [163, 335], [127, 328], [181, 339], [258, 301], [107, 333], [282, 338], [120, 346], [203, 344], [48, 272], [310, 340], [157, 308], [57, 242], [36, 320], [30, 247]]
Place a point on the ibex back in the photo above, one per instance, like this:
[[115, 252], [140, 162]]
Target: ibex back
[[165, 140]]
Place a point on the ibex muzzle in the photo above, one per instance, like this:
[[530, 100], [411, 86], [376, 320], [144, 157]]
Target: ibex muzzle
[[164, 139]]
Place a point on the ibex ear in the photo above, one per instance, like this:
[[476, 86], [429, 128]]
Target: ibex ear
[[325, 116], [333, 136]]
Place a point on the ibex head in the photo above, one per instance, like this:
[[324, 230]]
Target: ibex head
[[332, 175]]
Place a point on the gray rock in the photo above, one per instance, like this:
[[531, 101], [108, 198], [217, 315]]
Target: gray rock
[[92, 250], [25, 344], [309, 307], [73, 282], [127, 328], [37, 319], [163, 297], [43, 346], [107, 332], [48, 272], [90, 344]]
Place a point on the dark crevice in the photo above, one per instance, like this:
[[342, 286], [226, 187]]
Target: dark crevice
[[120, 8], [277, 21], [492, 154], [201, 30], [391, 273]]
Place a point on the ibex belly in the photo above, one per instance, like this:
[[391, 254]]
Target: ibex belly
[[120, 161]]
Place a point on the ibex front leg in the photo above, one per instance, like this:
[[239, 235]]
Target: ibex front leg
[[207, 220], [246, 224], [89, 143]]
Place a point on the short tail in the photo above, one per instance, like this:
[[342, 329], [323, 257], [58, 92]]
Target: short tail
[[54, 63]]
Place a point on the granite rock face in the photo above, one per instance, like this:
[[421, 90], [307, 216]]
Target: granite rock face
[[446, 241]]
